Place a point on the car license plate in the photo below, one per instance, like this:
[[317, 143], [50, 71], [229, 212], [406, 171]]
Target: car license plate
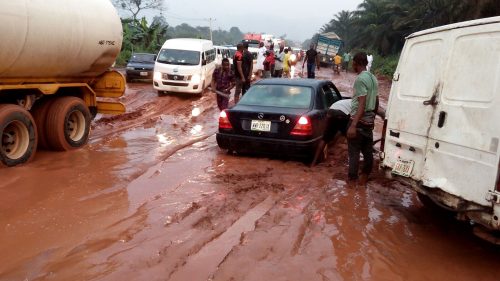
[[403, 167], [144, 73], [263, 126]]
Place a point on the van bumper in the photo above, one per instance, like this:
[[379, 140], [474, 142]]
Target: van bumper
[[178, 86], [485, 218]]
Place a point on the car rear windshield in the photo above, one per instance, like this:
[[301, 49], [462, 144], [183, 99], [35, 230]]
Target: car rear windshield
[[142, 58], [179, 57], [278, 96]]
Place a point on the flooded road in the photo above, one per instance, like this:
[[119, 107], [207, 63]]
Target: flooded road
[[152, 197]]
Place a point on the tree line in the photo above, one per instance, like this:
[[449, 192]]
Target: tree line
[[139, 35], [382, 25]]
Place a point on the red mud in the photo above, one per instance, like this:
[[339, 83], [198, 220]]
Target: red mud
[[153, 198]]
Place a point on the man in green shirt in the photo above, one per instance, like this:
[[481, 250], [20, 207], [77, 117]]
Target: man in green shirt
[[364, 105], [345, 60]]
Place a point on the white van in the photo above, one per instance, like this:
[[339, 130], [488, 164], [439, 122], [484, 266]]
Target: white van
[[184, 65], [221, 53], [442, 135]]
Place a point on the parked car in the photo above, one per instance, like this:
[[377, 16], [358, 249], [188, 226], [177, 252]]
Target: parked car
[[140, 66], [279, 116]]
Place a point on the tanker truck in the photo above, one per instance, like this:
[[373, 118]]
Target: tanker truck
[[55, 76]]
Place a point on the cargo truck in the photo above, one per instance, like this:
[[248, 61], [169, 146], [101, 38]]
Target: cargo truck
[[328, 45], [55, 59]]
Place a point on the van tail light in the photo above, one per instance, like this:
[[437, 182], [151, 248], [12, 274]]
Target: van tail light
[[303, 127], [224, 121], [382, 141]]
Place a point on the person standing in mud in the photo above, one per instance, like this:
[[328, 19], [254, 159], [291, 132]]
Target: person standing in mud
[[312, 60], [268, 64], [247, 68], [223, 81], [238, 71], [286, 64], [261, 56], [363, 110], [345, 61], [278, 65]]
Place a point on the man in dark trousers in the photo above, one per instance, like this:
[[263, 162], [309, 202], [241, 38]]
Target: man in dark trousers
[[247, 68], [223, 81], [364, 105], [312, 60], [238, 72]]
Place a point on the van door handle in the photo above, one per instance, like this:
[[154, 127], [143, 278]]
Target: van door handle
[[442, 118], [432, 101]]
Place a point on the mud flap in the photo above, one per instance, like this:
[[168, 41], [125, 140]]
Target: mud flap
[[105, 107]]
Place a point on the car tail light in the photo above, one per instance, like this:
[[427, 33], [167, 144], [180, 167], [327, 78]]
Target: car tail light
[[303, 127], [382, 141], [224, 121]]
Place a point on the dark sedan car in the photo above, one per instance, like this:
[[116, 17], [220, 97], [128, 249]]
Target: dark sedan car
[[140, 66], [279, 116]]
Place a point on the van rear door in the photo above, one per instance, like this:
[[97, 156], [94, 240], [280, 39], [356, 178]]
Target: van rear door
[[411, 106], [462, 153]]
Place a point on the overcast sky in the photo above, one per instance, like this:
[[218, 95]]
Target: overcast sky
[[298, 19]]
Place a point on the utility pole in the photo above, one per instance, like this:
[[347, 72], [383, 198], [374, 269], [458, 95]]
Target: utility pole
[[210, 22]]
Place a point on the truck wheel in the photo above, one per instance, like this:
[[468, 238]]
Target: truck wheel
[[18, 135], [68, 124], [39, 113]]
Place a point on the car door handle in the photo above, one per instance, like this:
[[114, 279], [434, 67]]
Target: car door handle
[[442, 119], [432, 101]]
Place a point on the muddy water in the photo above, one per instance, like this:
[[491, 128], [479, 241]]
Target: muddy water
[[153, 198]]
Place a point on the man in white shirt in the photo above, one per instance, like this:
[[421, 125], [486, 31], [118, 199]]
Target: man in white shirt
[[370, 61], [261, 56], [278, 64]]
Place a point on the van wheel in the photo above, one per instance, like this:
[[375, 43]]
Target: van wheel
[[39, 113], [68, 124], [18, 135]]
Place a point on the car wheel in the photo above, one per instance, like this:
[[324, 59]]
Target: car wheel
[[18, 135], [320, 154], [68, 124]]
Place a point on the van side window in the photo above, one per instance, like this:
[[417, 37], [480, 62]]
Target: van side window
[[210, 55]]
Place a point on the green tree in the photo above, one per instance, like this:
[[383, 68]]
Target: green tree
[[134, 7]]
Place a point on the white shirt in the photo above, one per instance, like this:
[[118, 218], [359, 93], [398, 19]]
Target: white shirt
[[278, 64], [261, 58], [342, 105], [370, 60]]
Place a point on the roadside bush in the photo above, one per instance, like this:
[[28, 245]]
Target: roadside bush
[[385, 66]]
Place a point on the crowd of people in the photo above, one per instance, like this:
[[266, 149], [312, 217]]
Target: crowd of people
[[353, 118]]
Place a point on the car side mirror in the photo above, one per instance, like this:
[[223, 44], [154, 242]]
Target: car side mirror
[[204, 62]]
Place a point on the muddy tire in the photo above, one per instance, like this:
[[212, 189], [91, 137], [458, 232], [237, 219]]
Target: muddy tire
[[18, 135], [320, 154], [68, 124], [39, 112]]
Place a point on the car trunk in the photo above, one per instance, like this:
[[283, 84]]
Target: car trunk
[[281, 120]]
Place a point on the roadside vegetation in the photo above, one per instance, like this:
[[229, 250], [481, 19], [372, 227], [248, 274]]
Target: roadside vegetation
[[380, 26]]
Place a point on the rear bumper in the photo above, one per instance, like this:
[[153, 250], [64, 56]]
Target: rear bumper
[[267, 145], [136, 74]]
